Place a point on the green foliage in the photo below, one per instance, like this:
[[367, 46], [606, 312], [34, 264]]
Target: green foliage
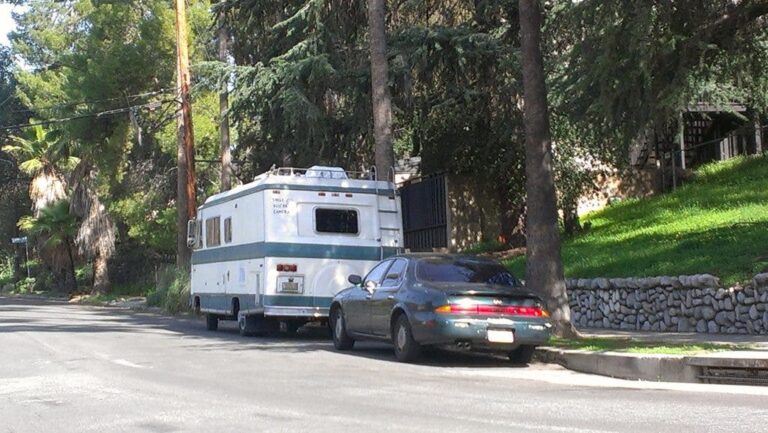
[[628, 345], [26, 286], [55, 224], [623, 68], [84, 275], [41, 149], [485, 247], [86, 56], [716, 224], [301, 92], [149, 223], [6, 269], [172, 291]]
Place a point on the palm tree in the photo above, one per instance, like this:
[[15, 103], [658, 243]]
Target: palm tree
[[96, 236], [43, 155], [57, 227]]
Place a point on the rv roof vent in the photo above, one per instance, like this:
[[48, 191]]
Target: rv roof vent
[[326, 172]]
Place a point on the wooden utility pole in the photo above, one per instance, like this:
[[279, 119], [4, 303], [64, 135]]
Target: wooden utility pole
[[185, 187], [226, 155]]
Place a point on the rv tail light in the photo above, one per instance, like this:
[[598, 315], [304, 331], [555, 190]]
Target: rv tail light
[[321, 194], [280, 268], [347, 195], [291, 268]]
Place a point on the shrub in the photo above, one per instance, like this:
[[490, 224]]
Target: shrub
[[172, 291]]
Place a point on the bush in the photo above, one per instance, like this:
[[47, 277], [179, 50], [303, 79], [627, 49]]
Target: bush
[[6, 270], [25, 286], [172, 291], [486, 247]]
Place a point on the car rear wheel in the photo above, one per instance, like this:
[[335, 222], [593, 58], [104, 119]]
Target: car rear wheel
[[406, 348], [341, 340], [211, 322], [522, 355]]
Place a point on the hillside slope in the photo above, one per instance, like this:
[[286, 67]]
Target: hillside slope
[[716, 224]]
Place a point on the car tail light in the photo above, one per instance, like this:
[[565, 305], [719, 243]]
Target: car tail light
[[482, 309]]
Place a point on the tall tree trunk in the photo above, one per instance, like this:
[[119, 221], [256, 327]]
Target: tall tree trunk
[[226, 155], [544, 266], [71, 278], [185, 152], [101, 282], [381, 98]]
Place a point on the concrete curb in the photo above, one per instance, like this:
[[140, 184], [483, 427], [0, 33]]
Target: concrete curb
[[656, 368]]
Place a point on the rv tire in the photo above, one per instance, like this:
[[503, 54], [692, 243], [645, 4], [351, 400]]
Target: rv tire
[[211, 322], [248, 325]]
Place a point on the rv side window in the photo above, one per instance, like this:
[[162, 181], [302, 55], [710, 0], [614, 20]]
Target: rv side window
[[227, 230], [213, 232], [336, 221]]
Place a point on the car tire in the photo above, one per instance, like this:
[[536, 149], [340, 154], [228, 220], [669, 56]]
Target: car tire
[[341, 340], [211, 322], [406, 348], [522, 355]]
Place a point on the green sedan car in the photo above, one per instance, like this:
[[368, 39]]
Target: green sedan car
[[463, 302]]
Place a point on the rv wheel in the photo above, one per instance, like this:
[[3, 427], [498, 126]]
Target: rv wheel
[[211, 322], [248, 325]]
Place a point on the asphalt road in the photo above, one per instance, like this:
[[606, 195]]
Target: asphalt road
[[68, 368]]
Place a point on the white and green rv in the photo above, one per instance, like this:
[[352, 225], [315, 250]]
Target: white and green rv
[[279, 248]]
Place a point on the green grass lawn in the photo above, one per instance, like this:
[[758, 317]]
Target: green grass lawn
[[628, 345], [717, 223]]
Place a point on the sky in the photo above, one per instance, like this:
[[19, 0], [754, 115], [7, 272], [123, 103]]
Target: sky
[[6, 23]]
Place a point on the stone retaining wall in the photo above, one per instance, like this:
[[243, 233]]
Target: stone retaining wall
[[688, 303]]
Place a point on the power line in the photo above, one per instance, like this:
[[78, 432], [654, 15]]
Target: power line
[[96, 101], [86, 115]]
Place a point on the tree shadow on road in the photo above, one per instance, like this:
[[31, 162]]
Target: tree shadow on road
[[57, 316]]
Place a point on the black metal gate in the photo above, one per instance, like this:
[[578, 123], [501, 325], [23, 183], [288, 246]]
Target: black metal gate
[[424, 204]]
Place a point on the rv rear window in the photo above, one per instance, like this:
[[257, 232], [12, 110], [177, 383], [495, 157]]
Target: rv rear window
[[336, 221]]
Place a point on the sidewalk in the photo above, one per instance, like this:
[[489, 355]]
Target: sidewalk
[[745, 367]]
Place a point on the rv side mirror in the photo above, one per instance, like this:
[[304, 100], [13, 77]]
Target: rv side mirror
[[192, 233], [355, 279]]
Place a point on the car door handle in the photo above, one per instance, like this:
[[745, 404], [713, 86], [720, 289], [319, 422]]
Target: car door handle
[[368, 297], [391, 297]]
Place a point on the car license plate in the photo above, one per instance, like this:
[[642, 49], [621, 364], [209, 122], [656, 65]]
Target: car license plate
[[500, 336], [290, 284]]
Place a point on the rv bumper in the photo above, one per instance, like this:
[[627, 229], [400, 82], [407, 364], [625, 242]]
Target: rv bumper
[[318, 312]]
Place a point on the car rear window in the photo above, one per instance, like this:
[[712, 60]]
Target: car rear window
[[464, 271]]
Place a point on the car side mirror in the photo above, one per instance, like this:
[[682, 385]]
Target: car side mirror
[[355, 279]]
